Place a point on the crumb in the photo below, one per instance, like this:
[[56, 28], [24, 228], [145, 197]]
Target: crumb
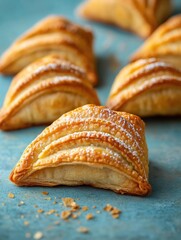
[[28, 235], [115, 211], [85, 208], [11, 195], [48, 198], [66, 214], [115, 215], [74, 216], [108, 207], [45, 193], [75, 207], [89, 216], [98, 211], [83, 230], [54, 202], [22, 216], [40, 210], [20, 203], [35, 206], [26, 223], [67, 202], [94, 207], [50, 212], [57, 215], [38, 235]]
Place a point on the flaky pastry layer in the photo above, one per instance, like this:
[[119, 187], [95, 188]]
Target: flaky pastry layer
[[44, 91], [90, 145], [164, 44], [147, 87], [52, 35], [141, 17]]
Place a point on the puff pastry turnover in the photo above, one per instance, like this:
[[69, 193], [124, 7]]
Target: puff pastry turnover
[[43, 91], [91, 145], [139, 16], [147, 87], [164, 43], [53, 34]]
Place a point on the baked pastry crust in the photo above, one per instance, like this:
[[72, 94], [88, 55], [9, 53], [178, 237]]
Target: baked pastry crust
[[139, 16], [44, 91], [147, 87], [164, 43], [90, 145], [52, 35]]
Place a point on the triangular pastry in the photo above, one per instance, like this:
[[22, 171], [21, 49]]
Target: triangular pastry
[[90, 145], [52, 35], [44, 91], [139, 16], [164, 43], [147, 87]]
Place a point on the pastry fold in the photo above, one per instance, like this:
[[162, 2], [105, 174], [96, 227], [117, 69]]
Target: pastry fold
[[91, 145], [52, 35], [164, 43], [44, 91], [139, 16], [147, 87]]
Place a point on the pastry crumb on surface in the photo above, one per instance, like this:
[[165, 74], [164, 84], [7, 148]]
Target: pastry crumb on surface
[[51, 211], [85, 208], [38, 235], [11, 195], [66, 214], [45, 193], [26, 223], [108, 207], [20, 203], [67, 202], [35, 206], [89, 216], [98, 212], [40, 210], [115, 212], [93, 206], [74, 216], [54, 202], [48, 198], [83, 230]]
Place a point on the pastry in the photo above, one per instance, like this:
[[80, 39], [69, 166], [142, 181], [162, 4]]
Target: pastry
[[43, 91], [91, 145], [139, 16], [147, 87], [164, 43], [52, 35]]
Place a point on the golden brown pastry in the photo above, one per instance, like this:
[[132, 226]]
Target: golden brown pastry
[[43, 91], [139, 16], [52, 35], [91, 145], [147, 87], [164, 43]]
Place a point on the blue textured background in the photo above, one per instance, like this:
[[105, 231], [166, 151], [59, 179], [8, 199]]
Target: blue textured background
[[154, 217]]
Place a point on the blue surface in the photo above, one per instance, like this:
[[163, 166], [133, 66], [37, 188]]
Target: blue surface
[[157, 216]]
